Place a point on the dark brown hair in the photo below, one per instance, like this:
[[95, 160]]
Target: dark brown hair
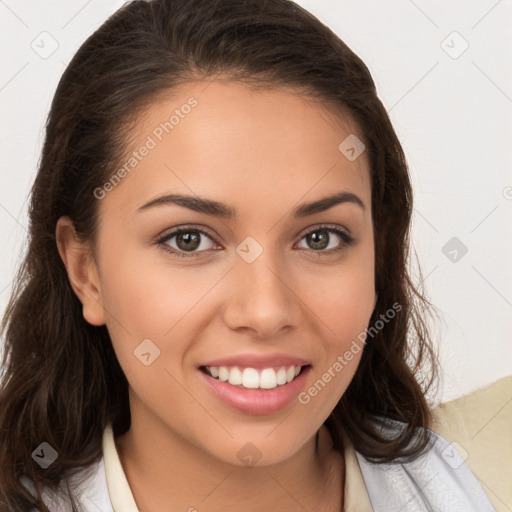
[[62, 381]]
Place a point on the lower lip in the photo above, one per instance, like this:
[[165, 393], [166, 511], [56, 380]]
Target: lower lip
[[256, 401]]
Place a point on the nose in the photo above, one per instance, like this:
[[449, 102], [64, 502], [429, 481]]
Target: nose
[[261, 297]]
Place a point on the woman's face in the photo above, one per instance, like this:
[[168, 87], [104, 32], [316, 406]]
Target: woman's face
[[264, 289]]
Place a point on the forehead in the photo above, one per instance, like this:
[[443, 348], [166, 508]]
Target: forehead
[[230, 142]]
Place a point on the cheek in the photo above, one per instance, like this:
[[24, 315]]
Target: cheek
[[342, 298], [345, 304], [148, 296], [149, 308]]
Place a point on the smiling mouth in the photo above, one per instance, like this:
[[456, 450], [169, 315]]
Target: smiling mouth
[[252, 378]]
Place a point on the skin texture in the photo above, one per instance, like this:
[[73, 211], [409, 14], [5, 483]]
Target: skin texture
[[263, 153]]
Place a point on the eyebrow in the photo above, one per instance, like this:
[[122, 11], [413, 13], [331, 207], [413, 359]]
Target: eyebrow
[[225, 211]]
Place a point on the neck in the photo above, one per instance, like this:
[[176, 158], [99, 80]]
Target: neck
[[164, 468]]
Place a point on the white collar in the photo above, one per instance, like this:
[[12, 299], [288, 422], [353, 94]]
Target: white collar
[[119, 490]]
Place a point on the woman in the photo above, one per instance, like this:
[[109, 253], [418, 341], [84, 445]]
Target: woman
[[215, 312]]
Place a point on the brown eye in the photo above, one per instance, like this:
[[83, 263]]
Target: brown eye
[[187, 240], [323, 239], [318, 241]]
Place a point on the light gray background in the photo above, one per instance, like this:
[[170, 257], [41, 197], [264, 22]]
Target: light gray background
[[451, 107]]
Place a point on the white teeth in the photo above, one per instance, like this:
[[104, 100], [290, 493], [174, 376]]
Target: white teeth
[[281, 376], [250, 378], [223, 373], [235, 376], [268, 379], [290, 374]]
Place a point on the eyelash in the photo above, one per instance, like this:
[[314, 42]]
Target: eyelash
[[345, 237]]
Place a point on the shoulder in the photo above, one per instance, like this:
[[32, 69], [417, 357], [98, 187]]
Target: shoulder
[[88, 487], [439, 480]]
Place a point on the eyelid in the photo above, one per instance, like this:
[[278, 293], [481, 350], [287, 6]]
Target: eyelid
[[318, 227], [191, 227]]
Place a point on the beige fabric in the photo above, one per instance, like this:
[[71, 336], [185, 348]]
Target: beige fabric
[[119, 490], [480, 426], [121, 497], [356, 496]]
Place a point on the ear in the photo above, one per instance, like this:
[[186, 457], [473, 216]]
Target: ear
[[81, 269]]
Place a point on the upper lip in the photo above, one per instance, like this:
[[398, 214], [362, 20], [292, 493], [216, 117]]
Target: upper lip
[[258, 361]]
